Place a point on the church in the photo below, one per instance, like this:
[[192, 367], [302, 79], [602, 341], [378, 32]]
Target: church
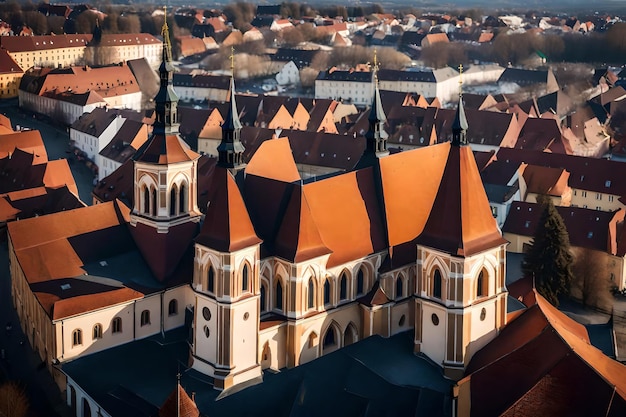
[[272, 270]]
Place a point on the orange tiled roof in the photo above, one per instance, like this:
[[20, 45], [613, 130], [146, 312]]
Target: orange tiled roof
[[274, 159], [545, 354], [8, 64], [227, 226], [29, 141], [345, 209], [178, 404], [58, 174], [298, 238], [460, 221], [168, 149], [410, 182]]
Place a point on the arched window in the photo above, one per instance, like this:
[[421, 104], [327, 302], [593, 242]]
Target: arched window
[[437, 284], [262, 300], [311, 295], [182, 199], [146, 200], [86, 408], [312, 339], [331, 339], [482, 284], [77, 337], [360, 282], [145, 317], [154, 201], [351, 335], [211, 280], [244, 279], [97, 332], [116, 325], [172, 308], [173, 201], [326, 292], [399, 287], [279, 295], [343, 286]]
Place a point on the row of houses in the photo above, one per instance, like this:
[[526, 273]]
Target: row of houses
[[18, 54]]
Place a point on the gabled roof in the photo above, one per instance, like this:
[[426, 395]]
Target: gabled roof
[[298, 238], [545, 354], [178, 404], [28, 141], [460, 220], [375, 297], [541, 135], [8, 64], [545, 180], [227, 226], [274, 159]]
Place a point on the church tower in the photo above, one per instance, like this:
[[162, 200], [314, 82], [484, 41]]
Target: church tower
[[165, 209], [376, 136], [226, 274], [461, 296], [230, 150]]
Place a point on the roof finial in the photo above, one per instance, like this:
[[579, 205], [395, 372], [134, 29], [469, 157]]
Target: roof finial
[[232, 61], [165, 32], [178, 394], [375, 68], [460, 80]]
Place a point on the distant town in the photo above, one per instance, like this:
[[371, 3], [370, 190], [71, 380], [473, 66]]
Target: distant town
[[297, 210]]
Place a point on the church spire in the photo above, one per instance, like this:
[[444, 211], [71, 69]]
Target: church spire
[[230, 150], [376, 135], [166, 99], [459, 126]]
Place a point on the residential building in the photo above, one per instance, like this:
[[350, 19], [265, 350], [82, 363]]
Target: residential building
[[65, 94], [10, 75], [197, 85]]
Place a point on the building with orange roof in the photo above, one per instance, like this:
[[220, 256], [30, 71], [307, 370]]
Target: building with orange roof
[[274, 270], [65, 94]]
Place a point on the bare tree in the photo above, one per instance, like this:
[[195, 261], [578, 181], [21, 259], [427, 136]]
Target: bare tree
[[13, 400], [591, 283]]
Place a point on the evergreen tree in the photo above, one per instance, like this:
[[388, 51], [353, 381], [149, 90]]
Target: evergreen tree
[[548, 260]]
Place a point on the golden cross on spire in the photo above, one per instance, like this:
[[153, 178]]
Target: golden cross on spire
[[460, 79], [375, 68], [232, 60], [165, 33]]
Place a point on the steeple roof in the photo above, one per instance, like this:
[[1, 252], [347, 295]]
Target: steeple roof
[[227, 226], [178, 404], [230, 150], [460, 220], [298, 238], [459, 125], [162, 149]]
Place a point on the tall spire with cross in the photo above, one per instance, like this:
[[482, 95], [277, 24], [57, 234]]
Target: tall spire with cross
[[166, 100], [376, 135], [230, 150], [459, 126]]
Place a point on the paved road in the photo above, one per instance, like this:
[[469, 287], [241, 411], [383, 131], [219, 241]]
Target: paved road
[[56, 139]]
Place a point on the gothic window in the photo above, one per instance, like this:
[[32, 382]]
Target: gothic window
[[279, 295], [86, 408], [172, 308], [399, 287], [437, 284], [146, 200], [343, 287], [326, 292], [311, 295], [182, 199], [116, 325], [360, 282], [211, 280], [173, 201], [97, 332], [244, 279], [145, 317], [482, 284], [77, 337], [154, 201], [263, 299]]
